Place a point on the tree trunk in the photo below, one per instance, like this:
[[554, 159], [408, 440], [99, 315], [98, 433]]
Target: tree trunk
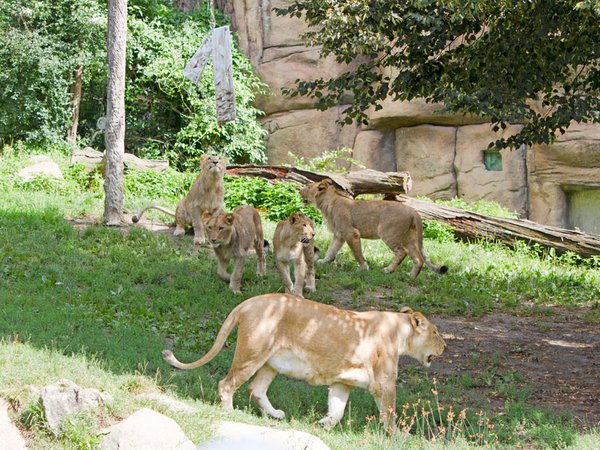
[[75, 91], [355, 183], [464, 223], [186, 5], [477, 226], [115, 112]]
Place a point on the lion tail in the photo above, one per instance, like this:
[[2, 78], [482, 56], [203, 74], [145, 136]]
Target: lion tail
[[226, 329], [418, 223], [136, 217]]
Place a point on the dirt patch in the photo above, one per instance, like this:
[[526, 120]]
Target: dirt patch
[[556, 356]]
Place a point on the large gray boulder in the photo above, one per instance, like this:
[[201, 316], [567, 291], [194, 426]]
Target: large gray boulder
[[146, 430]]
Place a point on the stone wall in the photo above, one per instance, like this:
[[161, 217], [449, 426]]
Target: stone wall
[[555, 184]]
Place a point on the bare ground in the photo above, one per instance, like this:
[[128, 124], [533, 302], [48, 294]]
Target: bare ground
[[555, 355]]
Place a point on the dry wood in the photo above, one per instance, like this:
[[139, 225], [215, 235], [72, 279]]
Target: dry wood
[[355, 183], [464, 223], [479, 226]]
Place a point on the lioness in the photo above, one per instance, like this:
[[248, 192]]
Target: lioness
[[231, 235], [324, 345], [205, 195], [294, 241], [398, 225]]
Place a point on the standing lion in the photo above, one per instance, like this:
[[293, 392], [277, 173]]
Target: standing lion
[[205, 196], [232, 235], [294, 242], [398, 225]]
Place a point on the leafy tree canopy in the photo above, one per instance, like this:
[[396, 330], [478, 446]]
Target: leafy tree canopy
[[43, 41], [535, 62]]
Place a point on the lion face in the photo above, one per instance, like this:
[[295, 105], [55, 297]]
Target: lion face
[[303, 227], [215, 165], [426, 343], [311, 191], [219, 228]]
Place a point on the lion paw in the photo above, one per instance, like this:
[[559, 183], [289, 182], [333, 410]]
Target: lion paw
[[277, 414], [328, 422], [199, 241], [322, 261]]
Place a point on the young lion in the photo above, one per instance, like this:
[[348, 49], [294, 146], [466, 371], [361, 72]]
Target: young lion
[[206, 195], [398, 225], [294, 241], [281, 333], [231, 236]]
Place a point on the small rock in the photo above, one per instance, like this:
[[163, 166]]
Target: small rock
[[146, 430], [43, 166], [10, 438], [64, 398], [235, 435], [165, 400]]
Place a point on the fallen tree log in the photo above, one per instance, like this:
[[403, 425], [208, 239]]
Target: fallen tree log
[[468, 225], [479, 226], [355, 183]]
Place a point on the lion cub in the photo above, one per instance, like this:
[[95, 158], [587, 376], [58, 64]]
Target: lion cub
[[232, 235], [398, 225], [206, 196], [324, 345], [294, 241]]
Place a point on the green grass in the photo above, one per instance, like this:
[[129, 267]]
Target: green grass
[[96, 304]]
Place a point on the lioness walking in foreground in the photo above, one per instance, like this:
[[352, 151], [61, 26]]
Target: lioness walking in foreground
[[324, 345], [232, 235], [206, 196], [294, 242], [398, 225]]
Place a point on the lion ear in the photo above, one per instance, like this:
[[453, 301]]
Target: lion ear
[[204, 157], [419, 321], [406, 310], [206, 216], [229, 219], [294, 217], [324, 184]]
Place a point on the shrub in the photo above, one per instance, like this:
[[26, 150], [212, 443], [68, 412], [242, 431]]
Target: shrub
[[277, 200], [169, 116]]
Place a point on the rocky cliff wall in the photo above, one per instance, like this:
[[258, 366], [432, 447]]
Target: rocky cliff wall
[[443, 152]]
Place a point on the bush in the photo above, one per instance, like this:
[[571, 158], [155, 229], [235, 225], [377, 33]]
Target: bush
[[277, 200], [169, 116]]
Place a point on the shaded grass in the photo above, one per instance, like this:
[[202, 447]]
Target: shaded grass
[[114, 296]]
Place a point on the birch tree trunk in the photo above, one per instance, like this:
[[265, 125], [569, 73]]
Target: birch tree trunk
[[75, 91], [115, 112]]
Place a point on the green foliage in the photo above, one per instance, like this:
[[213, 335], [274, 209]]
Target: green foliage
[[168, 184], [170, 117], [330, 161], [442, 232], [41, 44], [496, 59], [276, 200]]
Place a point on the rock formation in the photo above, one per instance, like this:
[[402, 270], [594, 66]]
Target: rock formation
[[556, 184]]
